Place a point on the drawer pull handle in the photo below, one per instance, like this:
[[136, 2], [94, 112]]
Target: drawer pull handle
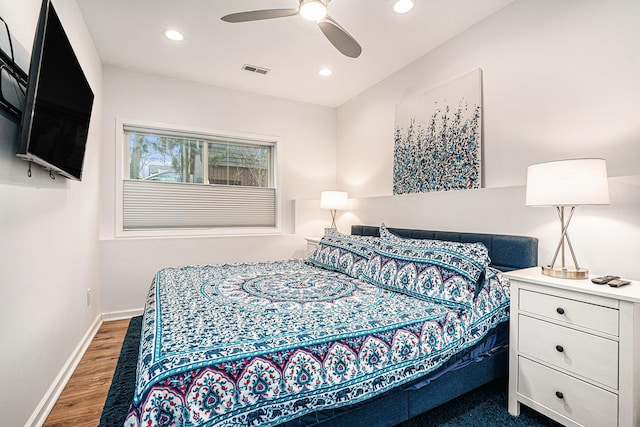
[[559, 395], [560, 310], [560, 348]]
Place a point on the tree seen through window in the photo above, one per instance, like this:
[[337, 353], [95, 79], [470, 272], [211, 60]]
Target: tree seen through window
[[173, 159]]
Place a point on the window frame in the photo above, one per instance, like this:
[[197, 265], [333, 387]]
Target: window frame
[[122, 168]]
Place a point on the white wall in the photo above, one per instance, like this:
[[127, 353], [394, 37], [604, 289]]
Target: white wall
[[48, 242], [560, 80], [307, 158]]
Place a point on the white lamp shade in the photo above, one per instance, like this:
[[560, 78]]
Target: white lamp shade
[[333, 200], [568, 183]]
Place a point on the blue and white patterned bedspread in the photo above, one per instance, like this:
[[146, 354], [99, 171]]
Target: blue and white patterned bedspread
[[260, 344]]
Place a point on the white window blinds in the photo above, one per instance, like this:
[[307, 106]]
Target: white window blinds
[[149, 204]]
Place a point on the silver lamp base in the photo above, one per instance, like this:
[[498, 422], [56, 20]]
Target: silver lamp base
[[565, 273]]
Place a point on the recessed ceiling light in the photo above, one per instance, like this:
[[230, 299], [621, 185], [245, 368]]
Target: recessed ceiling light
[[173, 35], [403, 6], [325, 72], [313, 10]]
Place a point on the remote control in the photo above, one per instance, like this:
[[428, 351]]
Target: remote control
[[604, 280], [616, 283]]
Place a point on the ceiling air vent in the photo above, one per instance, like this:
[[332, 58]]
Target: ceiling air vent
[[254, 69]]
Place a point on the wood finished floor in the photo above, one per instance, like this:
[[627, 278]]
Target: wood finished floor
[[81, 401]]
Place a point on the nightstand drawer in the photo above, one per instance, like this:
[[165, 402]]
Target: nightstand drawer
[[575, 399], [587, 355], [595, 317]]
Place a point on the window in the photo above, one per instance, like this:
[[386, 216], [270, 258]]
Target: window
[[178, 179]]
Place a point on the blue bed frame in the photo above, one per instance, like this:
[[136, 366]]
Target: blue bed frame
[[507, 252], [403, 403]]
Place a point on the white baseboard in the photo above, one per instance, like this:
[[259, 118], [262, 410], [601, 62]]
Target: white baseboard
[[123, 314], [45, 406]]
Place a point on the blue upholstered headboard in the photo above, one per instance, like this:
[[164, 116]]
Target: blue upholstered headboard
[[506, 252]]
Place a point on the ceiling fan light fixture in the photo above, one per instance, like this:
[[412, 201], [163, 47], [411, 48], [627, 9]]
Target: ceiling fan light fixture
[[403, 6], [313, 10], [325, 72]]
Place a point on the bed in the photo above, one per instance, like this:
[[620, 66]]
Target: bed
[[372, 329]]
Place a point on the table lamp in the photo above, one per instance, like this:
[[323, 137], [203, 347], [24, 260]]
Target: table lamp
[[567, 184], [333, 200]]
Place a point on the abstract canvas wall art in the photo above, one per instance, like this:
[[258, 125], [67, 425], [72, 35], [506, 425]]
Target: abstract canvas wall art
[[438, 138]]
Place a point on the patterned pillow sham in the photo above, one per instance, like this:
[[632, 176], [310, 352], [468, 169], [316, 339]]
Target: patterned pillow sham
[[436, 270], [467, 259], [344, 253]]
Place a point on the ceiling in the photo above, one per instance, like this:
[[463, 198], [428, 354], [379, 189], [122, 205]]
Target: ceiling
[[128, 35]]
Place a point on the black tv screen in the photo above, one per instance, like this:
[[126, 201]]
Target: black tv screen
[[55, 121]]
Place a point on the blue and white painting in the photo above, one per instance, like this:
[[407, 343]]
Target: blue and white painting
[[438, 138]]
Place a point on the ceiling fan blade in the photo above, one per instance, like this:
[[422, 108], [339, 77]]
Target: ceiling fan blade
[[339, 37], [257, 15]]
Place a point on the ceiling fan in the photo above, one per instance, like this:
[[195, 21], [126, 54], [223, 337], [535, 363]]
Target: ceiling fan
[[313, 10]]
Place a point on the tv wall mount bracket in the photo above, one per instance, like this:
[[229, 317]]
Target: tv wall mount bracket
[[8, 65]]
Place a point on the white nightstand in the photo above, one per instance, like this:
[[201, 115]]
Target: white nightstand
[[312, 244], [574, 350]]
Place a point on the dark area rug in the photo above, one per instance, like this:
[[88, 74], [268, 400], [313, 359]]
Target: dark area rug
[[483, 407], [124, 378]]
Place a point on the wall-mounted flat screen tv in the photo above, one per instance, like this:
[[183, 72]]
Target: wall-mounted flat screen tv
[[55, 121]]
